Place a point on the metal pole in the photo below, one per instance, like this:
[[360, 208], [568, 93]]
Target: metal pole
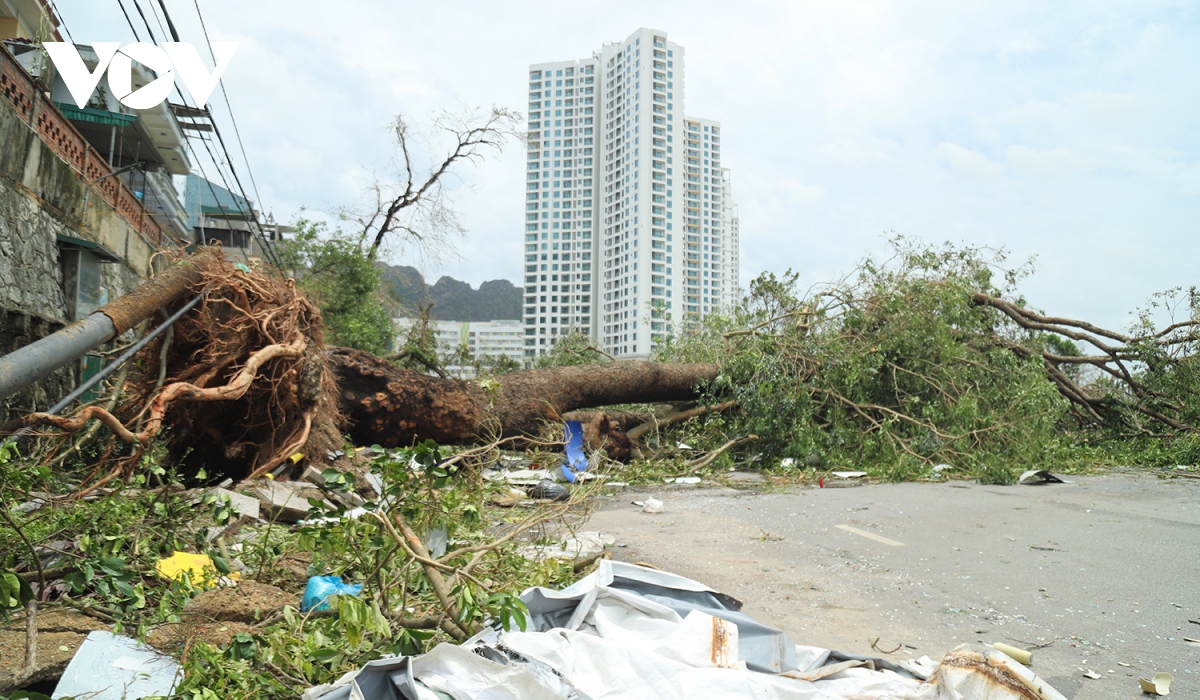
[[24, 366], [112, 366]]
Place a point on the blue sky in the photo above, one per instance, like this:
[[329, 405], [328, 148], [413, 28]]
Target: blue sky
[[1069, 131]]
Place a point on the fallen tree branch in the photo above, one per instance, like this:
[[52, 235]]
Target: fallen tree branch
[[706, 460], [638, 431]]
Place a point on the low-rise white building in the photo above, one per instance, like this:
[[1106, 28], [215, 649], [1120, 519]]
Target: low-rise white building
[[482, 339]]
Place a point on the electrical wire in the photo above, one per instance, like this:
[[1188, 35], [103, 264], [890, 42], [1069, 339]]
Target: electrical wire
[[131, 27], [267, 249], [256, 229], [228, 106], [137, 6], [61, 21]]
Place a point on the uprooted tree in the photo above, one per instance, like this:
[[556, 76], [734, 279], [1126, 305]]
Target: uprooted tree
[[910, 362]]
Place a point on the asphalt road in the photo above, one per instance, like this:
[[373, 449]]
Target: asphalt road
[[1106, 571]]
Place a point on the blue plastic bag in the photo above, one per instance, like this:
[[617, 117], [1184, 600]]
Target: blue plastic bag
[[574, 461], [319, 588]]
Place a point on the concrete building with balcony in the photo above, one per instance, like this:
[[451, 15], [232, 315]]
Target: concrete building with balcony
[[87, 201], [217, 216], [629, 220]]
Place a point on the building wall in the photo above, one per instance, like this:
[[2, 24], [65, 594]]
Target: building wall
[[42, 196], [481, 338], [629, 222], [561, 239]]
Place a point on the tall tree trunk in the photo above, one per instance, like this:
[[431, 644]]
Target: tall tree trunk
[[389, 406]]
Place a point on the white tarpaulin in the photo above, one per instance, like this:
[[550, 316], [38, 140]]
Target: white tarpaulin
[[630, 632]]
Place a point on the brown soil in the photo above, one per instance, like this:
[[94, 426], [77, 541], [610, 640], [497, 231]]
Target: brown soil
[[248, 602], [172, 636], [57, 629]]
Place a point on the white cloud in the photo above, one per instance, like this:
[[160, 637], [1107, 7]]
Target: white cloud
[[967, 163], [1069, 130]]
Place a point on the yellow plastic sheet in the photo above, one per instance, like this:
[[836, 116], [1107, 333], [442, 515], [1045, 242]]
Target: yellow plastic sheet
[[199, 566]]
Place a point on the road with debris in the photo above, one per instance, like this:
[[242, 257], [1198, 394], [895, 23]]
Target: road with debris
[[1103, 571]]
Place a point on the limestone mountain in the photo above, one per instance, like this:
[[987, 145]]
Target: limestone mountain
[[453, 300]]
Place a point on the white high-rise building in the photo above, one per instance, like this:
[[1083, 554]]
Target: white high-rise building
[[629, 223]]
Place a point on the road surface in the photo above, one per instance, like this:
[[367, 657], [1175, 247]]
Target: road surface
[[1105, 571]]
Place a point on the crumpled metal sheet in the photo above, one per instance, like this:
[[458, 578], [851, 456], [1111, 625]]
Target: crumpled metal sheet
[[631, 632]]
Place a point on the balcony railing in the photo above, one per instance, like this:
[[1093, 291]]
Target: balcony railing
[[57, 132]]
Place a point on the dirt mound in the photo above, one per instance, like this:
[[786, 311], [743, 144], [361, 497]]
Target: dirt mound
[[247, 602]]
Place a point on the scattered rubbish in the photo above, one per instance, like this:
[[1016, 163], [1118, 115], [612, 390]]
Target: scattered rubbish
[[1160, 685], [1020, 655], [652, 505], [629, 630], [922, 668], [849, 475], [549, 490], [320, 588], [332, 455], [786, 462], [1122, 663], [287, 501], [942, 467], [875, 646], [575, 462], [870, 535], [200, 567], [1092, 674], [1193, 642], [683, 446], [111, 667], [1041, 476], [435, 541], [687, 480], [241, 504], [582, 546], [518, 477]]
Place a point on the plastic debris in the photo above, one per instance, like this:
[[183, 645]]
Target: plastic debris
[[111, 667], [631, 631], [652, 505], [575, 462], [200, 567], [687, 480], [1040, 476], [849, 475], [1092, 674], [1160, 685], [581, 546], [549, 490], [320, 588], [1020, 655]]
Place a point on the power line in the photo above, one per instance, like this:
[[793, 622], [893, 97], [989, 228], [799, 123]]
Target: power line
[[228, 106], [170, 24], [221, 139], [137, 6], [256, 229], [131, 27], [61, 21], [157, 20]]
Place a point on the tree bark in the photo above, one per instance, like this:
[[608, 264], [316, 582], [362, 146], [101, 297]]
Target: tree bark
[[389, 406]]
